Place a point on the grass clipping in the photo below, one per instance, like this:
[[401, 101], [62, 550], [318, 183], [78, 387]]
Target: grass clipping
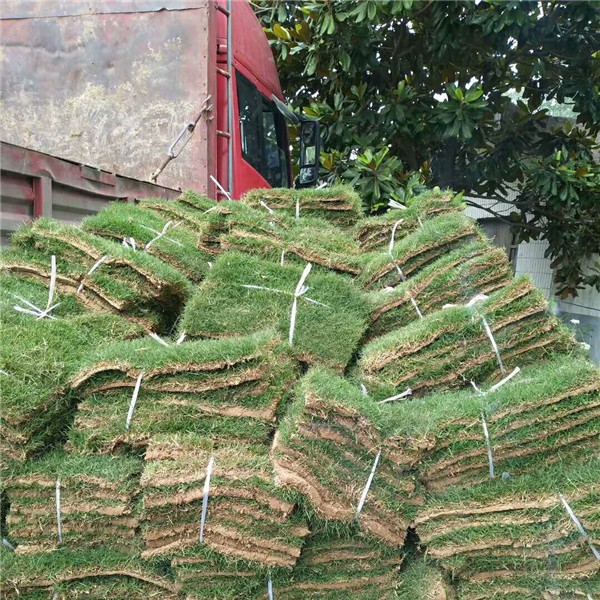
[[330, 320], [248, 517], [450, 347], [228, 389]]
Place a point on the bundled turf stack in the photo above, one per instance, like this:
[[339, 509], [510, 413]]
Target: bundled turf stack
[[336, 566], [205, 574], [243, 294], [325, 449], [339, 204], [451, 347], [96, 503], [436, 238], [302, 240], [145, 231], [373, 233], [455, 278], [104, 275], [549, 414], [37, 358], [493, 532], [223, 388], [97, 573], [248, 516]]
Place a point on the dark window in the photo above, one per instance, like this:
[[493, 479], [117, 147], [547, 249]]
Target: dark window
[[262, 131]]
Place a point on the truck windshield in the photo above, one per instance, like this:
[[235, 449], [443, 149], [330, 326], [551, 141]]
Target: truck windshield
[[262, 132]]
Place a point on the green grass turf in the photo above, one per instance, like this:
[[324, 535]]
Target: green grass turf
[[223, 307], [177, 248], [338, 204]]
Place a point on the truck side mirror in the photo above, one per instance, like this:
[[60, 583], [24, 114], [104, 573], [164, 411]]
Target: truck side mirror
[[310, 139]]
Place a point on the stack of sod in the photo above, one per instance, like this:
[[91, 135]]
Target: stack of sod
[[133, 284], [545, 415], [374, 233], [339, 205], [436, 238], [540, 586], [517, 526], [37, 358], [330, 319], [325, 449], [207, 575], [300, 240], [451, 347], [96, 573], [248, 517], [248, 224], [142, 228], [455, 278], [223, 388], [97, 505], [337, 566], [192, 216]]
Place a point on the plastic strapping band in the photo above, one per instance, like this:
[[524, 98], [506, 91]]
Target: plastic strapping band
[[281, 258], [209, 469], [579, 526], [420, 222], [393, 235], [265, 205], [394, 204], [406, 392], [363, 389], [94, 267], [180, 339], [223, 190], [159, 234], [52, 281], [270, 588], [8, 545], [297, 208], [488, 445], [494, 345], [36, 311], [158, 339], [129, 243], [498, 385], [58, 517], [134, 397], [301, 289], [363, 496]]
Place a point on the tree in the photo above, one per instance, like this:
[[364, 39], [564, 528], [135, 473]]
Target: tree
[[457, 93]]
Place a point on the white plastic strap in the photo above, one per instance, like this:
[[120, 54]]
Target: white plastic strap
[[394, 204], [393, 236], [420, 222], [129, 243], [488, 445], [404, 394], [282, 257], [498, 385], [213, 179], [158, 339], [35, 310], [136, 391], [297, 208], [94, 267], [270, 588], [265, 205], [363, 389], [169, 225], [363, 496], [301, 289], [210, 265], [579, 526], [414, 303], [494, 345], [8, 545], [180, 339], [209, 469], [58, 517], [477, 389]]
